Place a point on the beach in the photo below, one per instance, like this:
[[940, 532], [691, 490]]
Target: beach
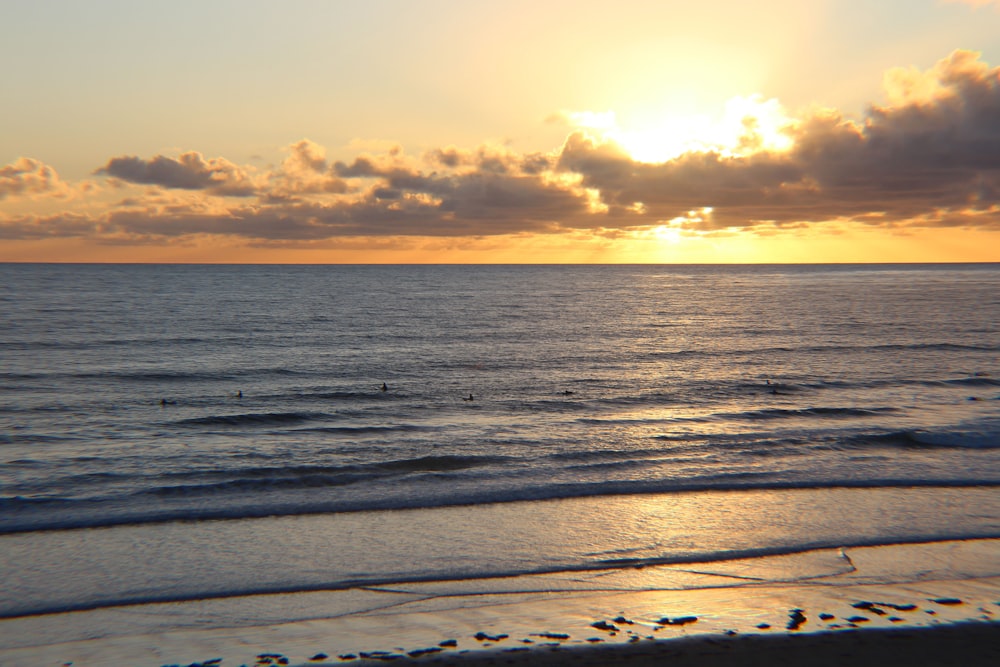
[[912, 603]]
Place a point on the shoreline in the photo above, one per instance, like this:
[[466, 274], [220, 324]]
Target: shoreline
[[861, 602]]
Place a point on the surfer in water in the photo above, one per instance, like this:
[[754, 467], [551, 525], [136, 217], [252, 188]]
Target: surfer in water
[[470, 398], [384, 387]]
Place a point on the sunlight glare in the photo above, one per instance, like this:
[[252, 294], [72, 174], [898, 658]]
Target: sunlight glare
[[747, 125]]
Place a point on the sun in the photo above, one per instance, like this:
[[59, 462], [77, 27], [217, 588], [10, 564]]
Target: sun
[[747, 125]]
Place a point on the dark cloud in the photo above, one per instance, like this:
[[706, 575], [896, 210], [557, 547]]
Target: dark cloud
[[190, 171], [35, 228]]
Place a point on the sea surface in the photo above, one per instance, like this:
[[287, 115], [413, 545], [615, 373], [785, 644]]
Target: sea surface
[[172, 433]]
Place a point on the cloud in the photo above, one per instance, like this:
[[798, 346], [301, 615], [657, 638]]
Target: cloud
[[25, 177], [190, 171], [927, 156], [305, 171]]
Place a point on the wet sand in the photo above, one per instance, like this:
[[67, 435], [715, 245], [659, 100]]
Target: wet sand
[[919, 604]]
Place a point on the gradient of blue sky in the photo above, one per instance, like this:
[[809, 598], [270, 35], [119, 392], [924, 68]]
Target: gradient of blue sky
[[242, 80]]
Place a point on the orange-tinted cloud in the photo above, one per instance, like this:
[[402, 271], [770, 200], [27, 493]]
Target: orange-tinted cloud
[[929, 156], [26, 176], [926, 159]]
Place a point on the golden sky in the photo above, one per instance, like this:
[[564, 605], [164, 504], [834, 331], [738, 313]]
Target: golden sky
[[445, 131]]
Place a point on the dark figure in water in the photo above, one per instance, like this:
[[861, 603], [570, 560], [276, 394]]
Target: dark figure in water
[[384, 387], [239, 394], [470, 398], [164, 402]]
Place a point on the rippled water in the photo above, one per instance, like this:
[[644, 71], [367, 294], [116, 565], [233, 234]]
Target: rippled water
[[140, 393]]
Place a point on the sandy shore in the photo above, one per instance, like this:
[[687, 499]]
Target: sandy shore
[[916, 604]]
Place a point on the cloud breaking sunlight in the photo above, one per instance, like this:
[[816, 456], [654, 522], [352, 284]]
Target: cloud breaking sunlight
[[747, 125]]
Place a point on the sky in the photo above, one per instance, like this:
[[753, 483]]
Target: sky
[[473, 131]]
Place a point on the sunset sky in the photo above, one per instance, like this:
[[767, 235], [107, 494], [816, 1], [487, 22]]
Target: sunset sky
[[516, 131]]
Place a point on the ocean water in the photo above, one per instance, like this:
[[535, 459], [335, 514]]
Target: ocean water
[[191, 432]]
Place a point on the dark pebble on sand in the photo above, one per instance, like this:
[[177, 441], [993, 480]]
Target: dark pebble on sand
[[858, 619], [318, 657], [483, 637], [380, 655], [623, 620], [947, 601], [680, 620], [763, 626], [604, 625], [795, 619], [423, 651], [348, 656], [826, 617], [553, 635], [870, 606]]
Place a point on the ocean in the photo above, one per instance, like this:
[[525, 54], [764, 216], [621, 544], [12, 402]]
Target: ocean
[[179, 433]]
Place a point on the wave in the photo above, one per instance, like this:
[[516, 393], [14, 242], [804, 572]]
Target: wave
[[193, 483], [748, 415], [296, 477], [688, 558], [16, 515], [828, 412], [34, 438], [783, 349], [974, 381], [166, 376], [326, 395], [360, 430], [947, 439], [253, 419], [97, 343]]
